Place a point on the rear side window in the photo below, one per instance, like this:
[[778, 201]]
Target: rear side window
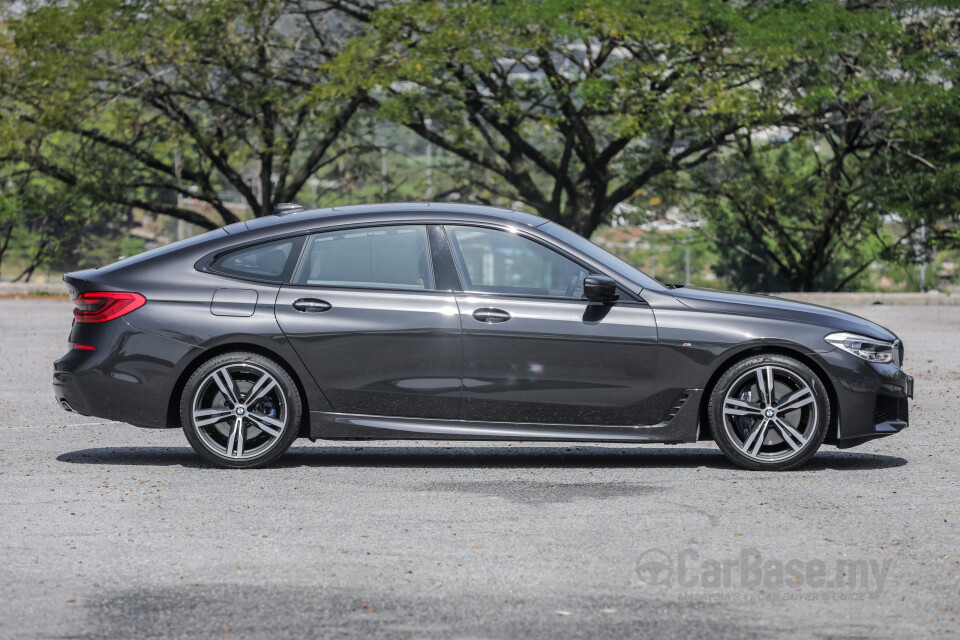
[[381, 257], [268, 261]]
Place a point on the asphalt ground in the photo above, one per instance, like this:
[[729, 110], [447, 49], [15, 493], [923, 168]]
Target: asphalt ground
[[110, 531]]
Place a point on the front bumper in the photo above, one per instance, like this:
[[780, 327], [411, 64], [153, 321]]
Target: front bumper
[[891, 415], [872, 399]]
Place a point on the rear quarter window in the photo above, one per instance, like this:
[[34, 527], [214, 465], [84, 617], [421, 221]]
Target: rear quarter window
[[271, 261]]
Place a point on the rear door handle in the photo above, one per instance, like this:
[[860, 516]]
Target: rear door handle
[[311, 305], [491, 315]]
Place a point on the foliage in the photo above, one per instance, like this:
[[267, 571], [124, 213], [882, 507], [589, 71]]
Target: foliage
[[572, 107], [814, 137], [663, 254], [45, 223], [858, 171], [154, 100]]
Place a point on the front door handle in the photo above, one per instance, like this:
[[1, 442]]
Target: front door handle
[[491, 315], [311, 305]]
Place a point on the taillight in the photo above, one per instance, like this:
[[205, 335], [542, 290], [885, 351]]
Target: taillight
[[100, 306]]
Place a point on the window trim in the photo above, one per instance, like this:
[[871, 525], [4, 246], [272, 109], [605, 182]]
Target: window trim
[[628, 297], [303, 252], [442, 256]]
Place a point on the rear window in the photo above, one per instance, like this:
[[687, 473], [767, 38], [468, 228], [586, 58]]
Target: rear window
[[270, 261]]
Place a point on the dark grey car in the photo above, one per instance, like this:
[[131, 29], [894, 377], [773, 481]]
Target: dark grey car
[[457, 322]]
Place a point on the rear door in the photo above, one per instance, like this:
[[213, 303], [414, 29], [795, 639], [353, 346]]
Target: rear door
[[534, 351], [365, 315]]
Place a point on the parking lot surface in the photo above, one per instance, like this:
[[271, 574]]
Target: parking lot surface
[[107, 530]]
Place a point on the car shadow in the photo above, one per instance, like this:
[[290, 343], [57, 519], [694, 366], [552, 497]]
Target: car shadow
[[468, 457]]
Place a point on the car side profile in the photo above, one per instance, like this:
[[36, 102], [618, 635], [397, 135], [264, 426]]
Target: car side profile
[[452, 322]]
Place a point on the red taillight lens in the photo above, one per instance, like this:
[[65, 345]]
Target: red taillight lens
[[100, 306]]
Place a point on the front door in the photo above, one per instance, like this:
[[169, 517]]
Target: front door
[[364, 316], [534, 351]]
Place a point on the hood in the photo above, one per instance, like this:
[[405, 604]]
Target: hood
[[779, 308]]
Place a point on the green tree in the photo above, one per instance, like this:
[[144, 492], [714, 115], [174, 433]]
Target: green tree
[[572, 107], [864, 167], [196, 98], [46, 223], [11, 217]]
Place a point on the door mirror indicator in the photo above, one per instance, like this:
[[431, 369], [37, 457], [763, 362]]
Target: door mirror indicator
[[600, 289]]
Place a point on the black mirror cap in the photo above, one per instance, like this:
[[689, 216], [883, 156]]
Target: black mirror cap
[[600, 289]]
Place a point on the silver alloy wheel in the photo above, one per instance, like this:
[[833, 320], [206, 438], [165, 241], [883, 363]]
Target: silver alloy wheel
[[239, 411], [770, 413]]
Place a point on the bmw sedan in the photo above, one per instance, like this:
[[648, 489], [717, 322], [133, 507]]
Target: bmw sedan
[[452, 322]]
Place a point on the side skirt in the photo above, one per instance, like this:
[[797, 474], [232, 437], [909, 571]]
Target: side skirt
[[679, 425]]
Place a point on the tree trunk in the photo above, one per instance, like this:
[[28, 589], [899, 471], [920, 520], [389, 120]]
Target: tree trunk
[[580, 216], [27, 273], [6, 241], [802, 280]]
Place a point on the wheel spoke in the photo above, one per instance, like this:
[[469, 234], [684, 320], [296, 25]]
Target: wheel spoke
[[260, 389], [762, 433], [239, 437], [734, 407], [765, 384], [790, 435], [236, 439], [762, 426], [225, 381], [266, 423], [207, 417], [795, 400]]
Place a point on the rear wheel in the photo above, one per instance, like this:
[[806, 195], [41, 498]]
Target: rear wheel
[[240, 410], [769, 412]]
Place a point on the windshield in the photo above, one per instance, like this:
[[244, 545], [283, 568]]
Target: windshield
[[602, 256]]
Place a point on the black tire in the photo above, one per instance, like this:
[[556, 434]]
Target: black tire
[[245, 437], [789, 424]]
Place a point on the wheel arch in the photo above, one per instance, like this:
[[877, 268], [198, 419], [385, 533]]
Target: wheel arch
[[173, 402], [778, 349]]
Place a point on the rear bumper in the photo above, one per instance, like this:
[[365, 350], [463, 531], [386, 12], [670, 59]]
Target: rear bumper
[[68, 393], [128, 378]]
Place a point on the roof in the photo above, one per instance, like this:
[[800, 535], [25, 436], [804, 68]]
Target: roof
[[387, 211]]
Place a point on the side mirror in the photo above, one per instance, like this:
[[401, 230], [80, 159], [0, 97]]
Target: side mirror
[[600, 289]]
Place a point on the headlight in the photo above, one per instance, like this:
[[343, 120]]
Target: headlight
[[869, 349]]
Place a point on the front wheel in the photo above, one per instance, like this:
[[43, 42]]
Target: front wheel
[[240, 410], [769, 412]]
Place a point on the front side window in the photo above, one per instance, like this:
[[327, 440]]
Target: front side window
[[381, 257], [502, 262], [267, 261]]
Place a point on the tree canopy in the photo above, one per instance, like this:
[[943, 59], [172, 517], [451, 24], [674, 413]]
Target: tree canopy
[[567, 107], [864, 168], [814, 137], [190, 98]]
